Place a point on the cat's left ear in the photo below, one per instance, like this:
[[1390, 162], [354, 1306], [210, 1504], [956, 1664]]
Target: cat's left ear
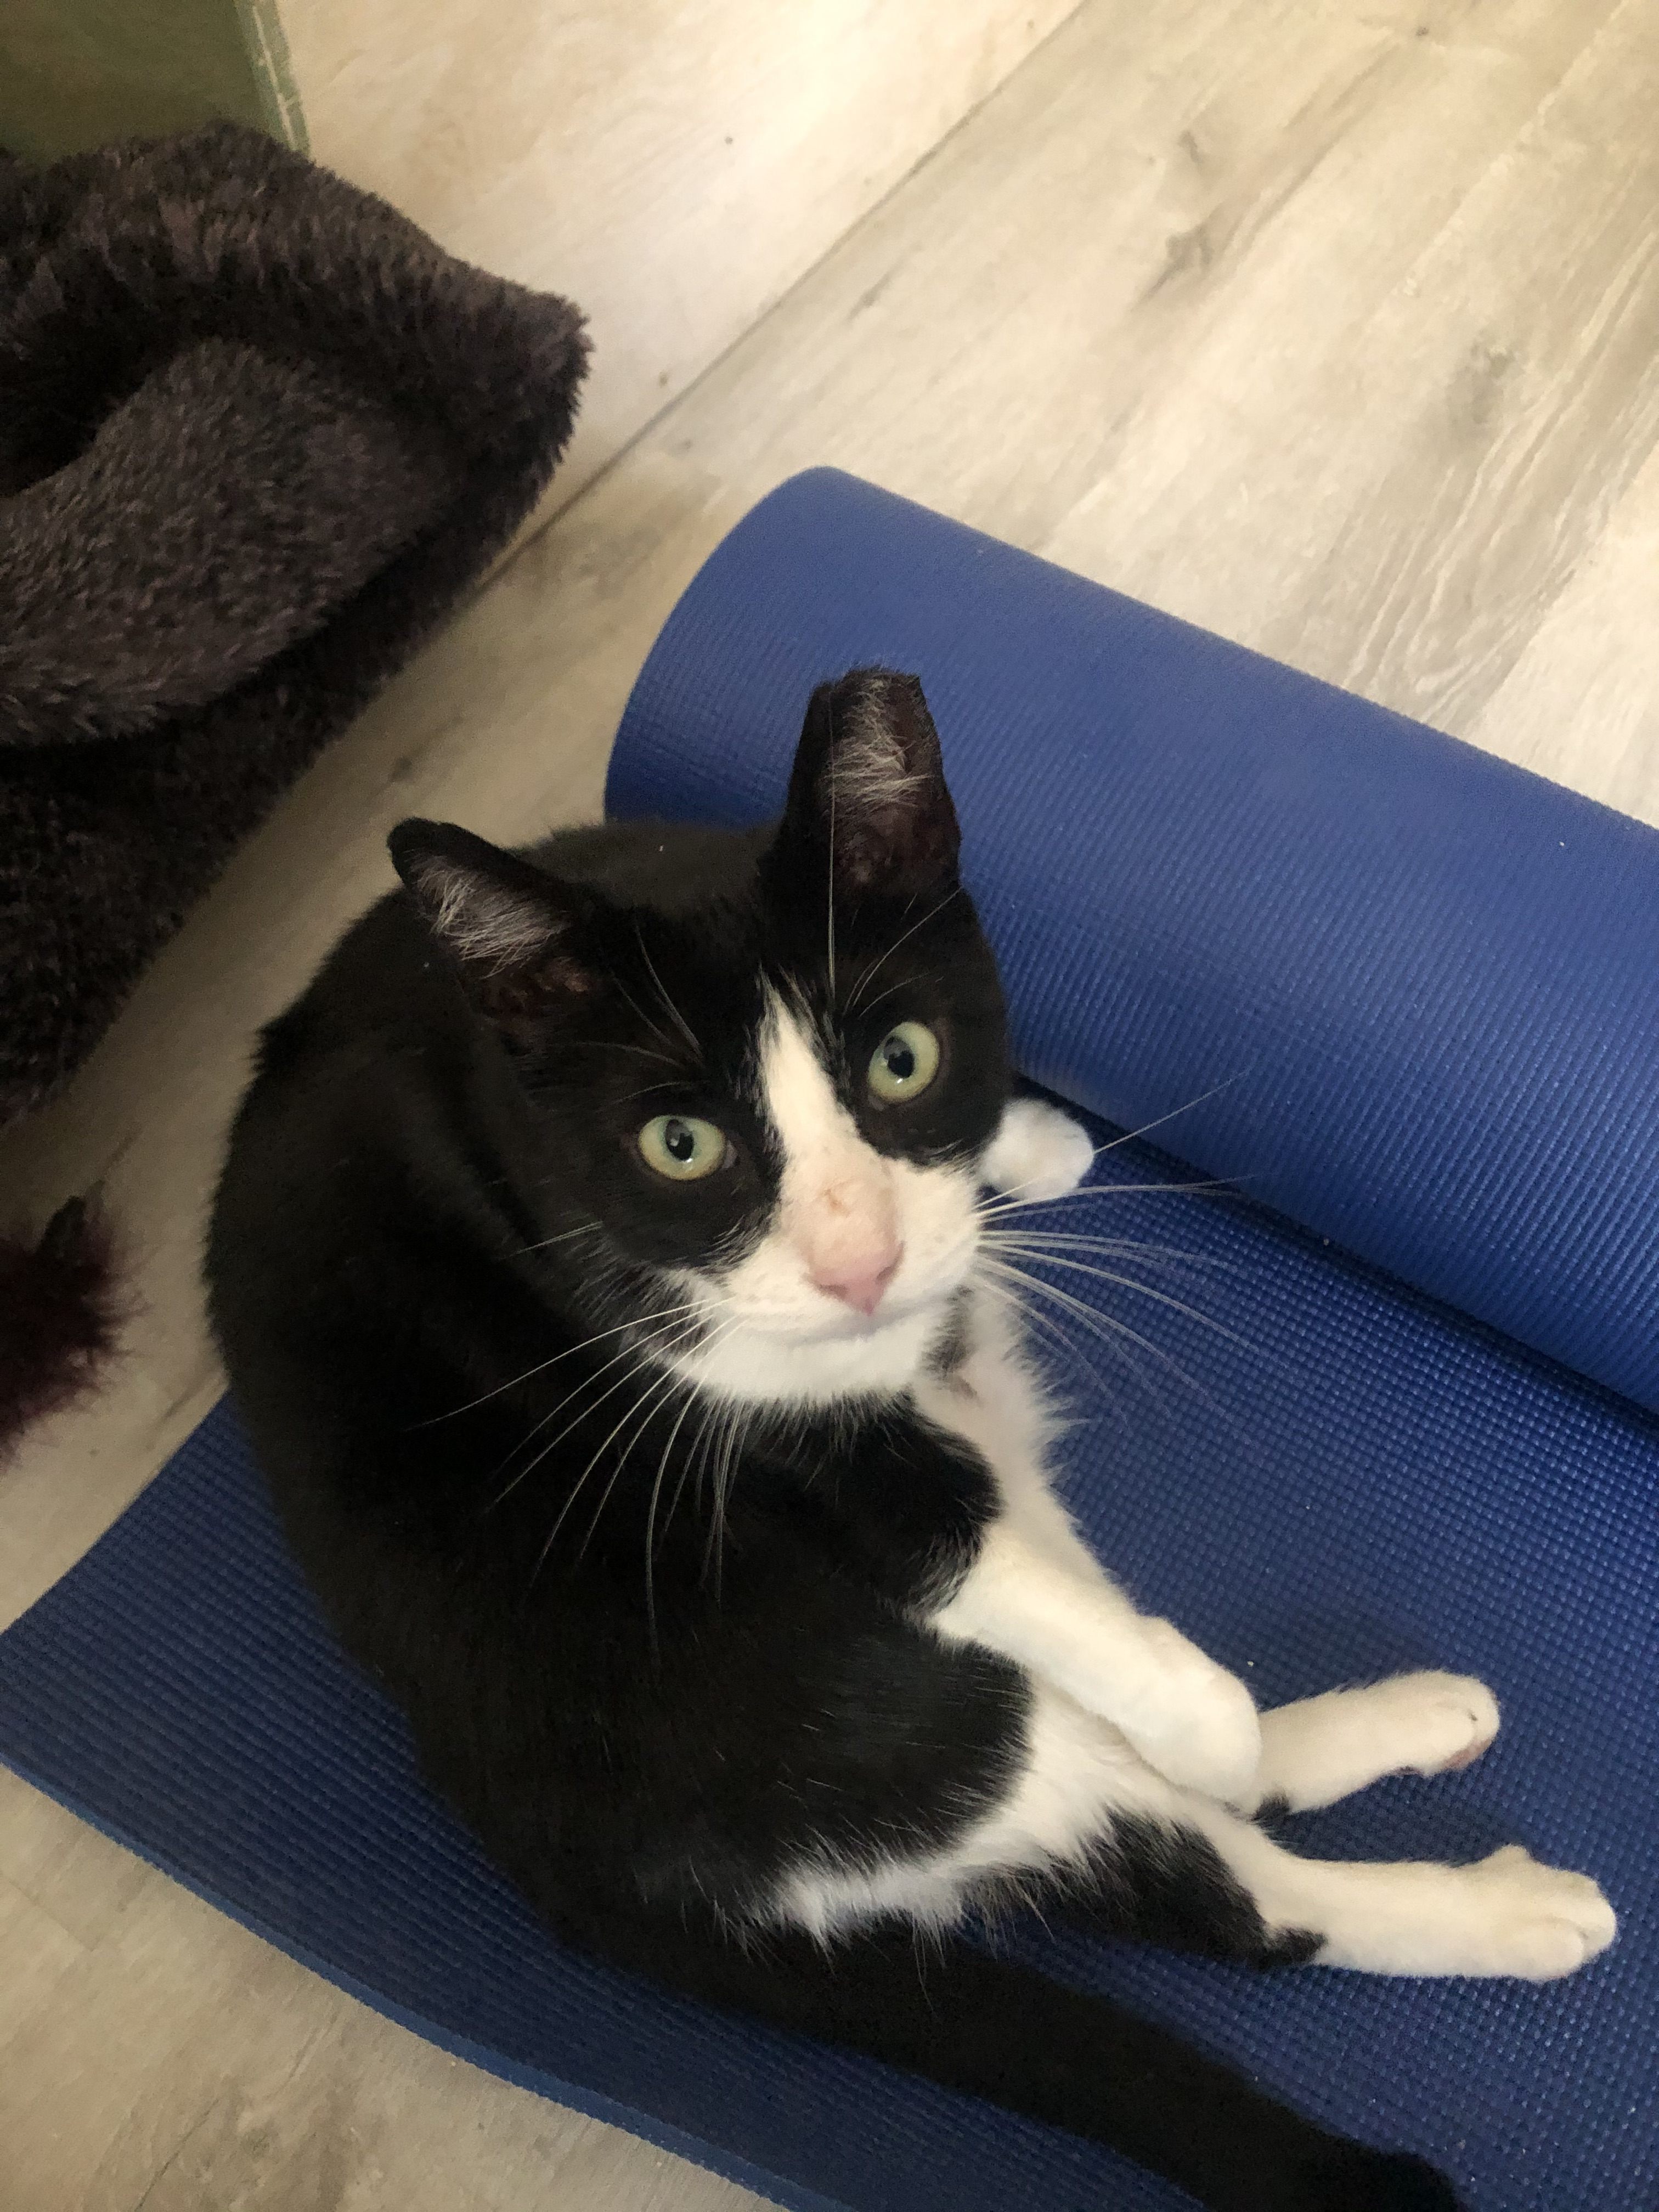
[[867, 798], [512, 932]]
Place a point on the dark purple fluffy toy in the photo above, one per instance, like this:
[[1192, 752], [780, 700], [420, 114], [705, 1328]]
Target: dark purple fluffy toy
[[61, 1310]]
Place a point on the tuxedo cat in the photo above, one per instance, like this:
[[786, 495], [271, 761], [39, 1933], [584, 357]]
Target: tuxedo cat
[[599, 1267]]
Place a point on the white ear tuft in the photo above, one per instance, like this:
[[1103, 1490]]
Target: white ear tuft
[[867, 795], [485, 923], [508, 927], [869, 770]]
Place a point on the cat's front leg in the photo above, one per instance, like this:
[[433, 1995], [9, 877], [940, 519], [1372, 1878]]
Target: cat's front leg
[[1037, 1152], [1187, 1717], [1192, 1721]]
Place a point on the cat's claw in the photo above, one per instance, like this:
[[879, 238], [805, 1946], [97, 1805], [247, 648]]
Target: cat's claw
[[1037, 1152]]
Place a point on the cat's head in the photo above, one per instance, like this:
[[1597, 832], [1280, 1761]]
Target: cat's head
[[761, 1070]]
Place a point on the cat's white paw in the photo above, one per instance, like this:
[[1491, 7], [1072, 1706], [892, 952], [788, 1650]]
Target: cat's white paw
[[1432, 1723], [1533, 1921], [1507, 1915], [1325, 1747], [1194, 1721], [1037, 1152]]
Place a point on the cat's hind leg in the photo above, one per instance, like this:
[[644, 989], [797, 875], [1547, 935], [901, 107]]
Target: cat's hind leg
[[1171, 1866], [1506, 1915], [1325, 1747]]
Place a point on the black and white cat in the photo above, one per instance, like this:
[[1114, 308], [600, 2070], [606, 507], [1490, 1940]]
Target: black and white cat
[[599, 1267]]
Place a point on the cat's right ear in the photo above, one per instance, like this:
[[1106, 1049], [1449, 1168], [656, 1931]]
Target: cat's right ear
[[511, 931], [867, 798]]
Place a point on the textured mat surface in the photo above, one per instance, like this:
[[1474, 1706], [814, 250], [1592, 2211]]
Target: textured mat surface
[[1329, 1476]]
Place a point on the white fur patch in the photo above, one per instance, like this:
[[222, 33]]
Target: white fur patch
[[1037, 1152], [1036, 1593], [1325, 1747], [1509, 1915], [868, 771], [1506, 1915], [482, 920]]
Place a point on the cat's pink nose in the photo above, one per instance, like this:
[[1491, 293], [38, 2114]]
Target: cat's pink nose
[[860, 1284]]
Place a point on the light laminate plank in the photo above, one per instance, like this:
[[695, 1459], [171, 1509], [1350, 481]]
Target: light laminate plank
[[179, 2064], [674, 166]]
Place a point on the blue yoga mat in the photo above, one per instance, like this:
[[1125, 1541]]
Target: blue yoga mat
[[1421, 988], [1435, 1042]]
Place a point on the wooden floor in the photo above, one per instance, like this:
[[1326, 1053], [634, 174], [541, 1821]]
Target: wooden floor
[[1333, 328]]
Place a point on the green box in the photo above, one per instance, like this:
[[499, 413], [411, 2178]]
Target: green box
[[74, 74]]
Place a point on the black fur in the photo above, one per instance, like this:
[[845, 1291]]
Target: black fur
[[257, 433], [654, 1673], [1171, 1886]]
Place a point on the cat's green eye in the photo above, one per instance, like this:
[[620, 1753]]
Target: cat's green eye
[[904, 1063], [681, 1147]]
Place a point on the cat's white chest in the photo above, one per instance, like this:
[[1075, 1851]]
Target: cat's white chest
[[990, 1401], [995, 1403]]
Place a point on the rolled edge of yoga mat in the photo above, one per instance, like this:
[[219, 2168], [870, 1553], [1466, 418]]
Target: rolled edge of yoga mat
[[1403, 991]]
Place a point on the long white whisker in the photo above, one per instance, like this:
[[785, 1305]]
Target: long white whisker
[[569, 1352], [1006, 1204], [674, 1323], [1145, 1290], [651, 1512], [1032, 1233], [1102, 1324], [875, 968], [679, 1019], [904, 983], [560, 1518], [737, 1430], [581, 1229], [692, 1399], [1034, 1317], [1146, 1127], [648, 1407], [673, 1058], [1102, 1328], [725, 1440], [686, 1329], [694, 1457], [711, 1469], [1117, 1248]]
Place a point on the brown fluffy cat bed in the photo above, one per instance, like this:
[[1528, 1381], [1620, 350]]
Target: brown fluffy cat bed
[[257, 435]]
